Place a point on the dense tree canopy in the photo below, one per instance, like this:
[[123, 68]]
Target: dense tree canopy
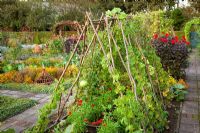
[[195, 4], [41, 15], [136, 5]]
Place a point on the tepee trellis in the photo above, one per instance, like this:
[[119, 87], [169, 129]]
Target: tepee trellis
[[110, 63]]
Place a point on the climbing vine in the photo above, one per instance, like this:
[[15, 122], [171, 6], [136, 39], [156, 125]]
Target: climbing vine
[[121, 73], [188, 25]]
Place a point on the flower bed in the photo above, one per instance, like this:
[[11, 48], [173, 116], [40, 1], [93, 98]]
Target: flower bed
[[173, 53], [30, 75], [11, 106]]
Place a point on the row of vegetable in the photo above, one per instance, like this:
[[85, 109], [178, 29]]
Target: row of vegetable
[[121, 85], [123, 76]]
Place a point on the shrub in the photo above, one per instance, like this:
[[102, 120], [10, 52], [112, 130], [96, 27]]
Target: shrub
[[7, 77], [29, 75], [178, 18], [55, 46], [37, 61], [13, 53], [173, 53]]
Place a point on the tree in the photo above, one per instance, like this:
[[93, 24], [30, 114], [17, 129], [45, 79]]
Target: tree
[[13, 14], [132, 6], [41, 17], [178, 18], [195, 4]]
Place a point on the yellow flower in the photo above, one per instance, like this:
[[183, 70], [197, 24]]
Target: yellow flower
[[165, 93], [28, 79], [171, 80]]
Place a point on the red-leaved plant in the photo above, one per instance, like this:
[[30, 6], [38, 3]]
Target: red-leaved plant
[[173, 53]]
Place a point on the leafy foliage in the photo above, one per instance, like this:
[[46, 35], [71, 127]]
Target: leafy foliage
[[188, 26], [12, 106], [116, 12], [173, 53], [123, 87], [41, 17], [135, 6], [13, 14], [30, 74], [195, 5], [43, 118], [90, 110], [55, 46], [8, 131], [178, 19], [179, 92], [35, 88]]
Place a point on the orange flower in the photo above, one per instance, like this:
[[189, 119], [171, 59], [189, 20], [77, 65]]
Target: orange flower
[[69, 113], [85, 120], [104, 124], [181, 81], [80, 102], [92, 105]]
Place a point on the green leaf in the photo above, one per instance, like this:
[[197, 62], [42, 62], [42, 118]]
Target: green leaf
[[179, 86], [138, 131], [151, 70], [129, 128], [69, 129], [8, 131]]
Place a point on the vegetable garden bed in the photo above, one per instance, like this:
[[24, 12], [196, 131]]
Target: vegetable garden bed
[[11, 106], [121, 74], [34, 88], [121, 85]]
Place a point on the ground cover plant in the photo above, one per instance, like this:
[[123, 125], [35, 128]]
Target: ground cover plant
[[121, 85], [11, 106], [8, 131], [35, 88]]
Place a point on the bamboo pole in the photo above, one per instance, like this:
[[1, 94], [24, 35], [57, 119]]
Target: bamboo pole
[[126, 43], [109, 41], [67, 65], [81, 62], [99, 40], [133, 83], [147, 68]]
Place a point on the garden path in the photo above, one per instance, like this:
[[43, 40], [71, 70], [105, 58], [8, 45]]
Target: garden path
[[27, 118], [190, 109]]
